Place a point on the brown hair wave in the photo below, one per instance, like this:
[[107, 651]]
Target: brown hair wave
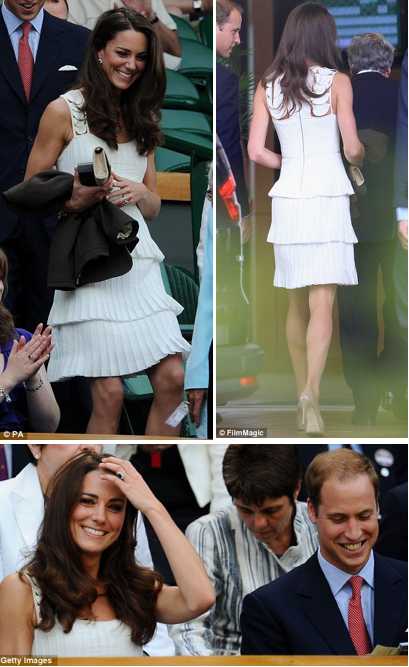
[[7, 328], [310, 34], [141, 102], [67, 590]]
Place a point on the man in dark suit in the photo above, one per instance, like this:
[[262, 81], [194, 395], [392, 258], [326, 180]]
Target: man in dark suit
[[58, 49], [372, 377], [228, 24], [401, 203], [344, 600], [390, 463]]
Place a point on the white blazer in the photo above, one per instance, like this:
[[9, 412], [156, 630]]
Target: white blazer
[[22, 511], [203, 467]]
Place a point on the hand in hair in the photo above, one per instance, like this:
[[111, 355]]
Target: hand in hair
[[194, 593], [26, 359]]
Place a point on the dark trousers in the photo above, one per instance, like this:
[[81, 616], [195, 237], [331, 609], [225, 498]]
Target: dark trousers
[[210, 433], [28, 298], [400, 275], [368, 373]]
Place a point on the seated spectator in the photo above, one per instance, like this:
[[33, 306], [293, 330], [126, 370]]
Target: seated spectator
[[180, 7], [22, 502], [263, 535], [83, 572], [86, 14], [393, 528], [58, 8], [344, 600], [13, 458], [27, 401]]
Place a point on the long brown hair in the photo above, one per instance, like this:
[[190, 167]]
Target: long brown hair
[[7, 330], [310, 33], [67, 590], [140, 104]]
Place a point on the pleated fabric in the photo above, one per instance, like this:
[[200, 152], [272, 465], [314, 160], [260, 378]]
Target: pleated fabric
[[311, 225], [122, 326]]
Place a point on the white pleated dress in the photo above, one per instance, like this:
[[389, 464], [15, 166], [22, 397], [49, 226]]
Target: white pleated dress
[[87, 639], [124, 325], [311, 225]]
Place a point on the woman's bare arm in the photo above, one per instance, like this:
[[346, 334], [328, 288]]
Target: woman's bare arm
[[258, 133], [16, 616], [342, 105]]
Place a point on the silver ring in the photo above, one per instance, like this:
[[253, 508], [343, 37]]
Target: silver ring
[[125, 202], [121, 474], [30, 356]]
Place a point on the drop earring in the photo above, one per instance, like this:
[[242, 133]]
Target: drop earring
[[99, 61]]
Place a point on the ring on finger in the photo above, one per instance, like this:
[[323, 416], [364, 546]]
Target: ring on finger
[[125, 202], [121, 474], [31, 357]]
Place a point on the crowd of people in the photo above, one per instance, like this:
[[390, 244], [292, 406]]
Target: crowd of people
[[332, 234], [281, 533], [82, 76]]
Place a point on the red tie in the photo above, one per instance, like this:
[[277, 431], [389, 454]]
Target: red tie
[[3, 464], [356, 621], [25, 59]]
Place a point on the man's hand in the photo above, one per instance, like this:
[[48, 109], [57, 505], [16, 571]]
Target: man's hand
[[403, 233], [195, 398], [246, 229]]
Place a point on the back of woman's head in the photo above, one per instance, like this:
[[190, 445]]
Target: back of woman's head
[[309, 37], [67, 588], [6, 318], [141, 102]]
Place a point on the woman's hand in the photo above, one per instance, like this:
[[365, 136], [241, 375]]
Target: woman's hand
[[26, 359], [132, 485], [126, 191], [84, 196]]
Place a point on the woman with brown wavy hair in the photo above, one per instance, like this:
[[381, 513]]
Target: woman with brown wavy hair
[[125, 325], [82, 593], [310, 104]]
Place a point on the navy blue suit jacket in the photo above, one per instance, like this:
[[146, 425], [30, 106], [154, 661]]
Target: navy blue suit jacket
[[61, 43], [228, 128], [401, 159], [297, 614], [376, 107]]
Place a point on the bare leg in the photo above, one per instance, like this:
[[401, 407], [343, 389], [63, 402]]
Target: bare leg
[[319, 332], [107, 399], [296, 329], [167, 378]]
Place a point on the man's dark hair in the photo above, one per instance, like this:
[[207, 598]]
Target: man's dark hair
[[255, 472]]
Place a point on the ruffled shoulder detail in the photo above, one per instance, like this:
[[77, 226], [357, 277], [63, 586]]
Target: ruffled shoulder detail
[[319, 81], [75, 101], [275, 99]]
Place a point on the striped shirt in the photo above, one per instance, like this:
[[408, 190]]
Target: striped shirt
[[237, 563]]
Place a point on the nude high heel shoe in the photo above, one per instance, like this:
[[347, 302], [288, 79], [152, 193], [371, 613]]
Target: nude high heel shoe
[[300, 419], [310, 414]]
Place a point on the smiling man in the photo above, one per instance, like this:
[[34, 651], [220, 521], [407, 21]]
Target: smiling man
[[345, 599], [263, 535]]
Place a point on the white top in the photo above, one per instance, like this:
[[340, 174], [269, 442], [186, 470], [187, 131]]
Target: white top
[[87, 639], [310, 142]]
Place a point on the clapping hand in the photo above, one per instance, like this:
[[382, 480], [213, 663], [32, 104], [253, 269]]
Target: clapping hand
[[26, 359]]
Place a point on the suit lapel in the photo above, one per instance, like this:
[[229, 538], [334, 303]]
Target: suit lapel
[[322, 610], [390, 603], [48, 49], [8, 63], [28, 504]]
